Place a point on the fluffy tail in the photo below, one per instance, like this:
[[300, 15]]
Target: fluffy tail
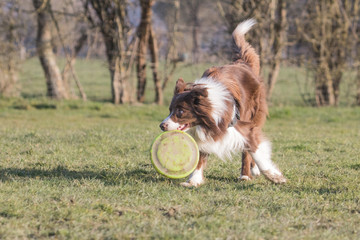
[[243, 51]]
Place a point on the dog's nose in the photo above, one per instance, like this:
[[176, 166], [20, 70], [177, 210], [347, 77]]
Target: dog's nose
[[163, 126]]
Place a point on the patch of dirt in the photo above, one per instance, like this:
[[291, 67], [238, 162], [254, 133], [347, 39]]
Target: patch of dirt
[[172, 212]]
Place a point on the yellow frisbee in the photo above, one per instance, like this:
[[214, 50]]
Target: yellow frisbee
[[174, 154]]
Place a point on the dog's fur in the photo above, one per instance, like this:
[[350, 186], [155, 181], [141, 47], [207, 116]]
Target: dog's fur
[[224, 111]]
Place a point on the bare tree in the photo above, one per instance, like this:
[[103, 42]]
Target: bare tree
[[169, 13], [111, 17], [355, 29], [10, 48], [147, 41], [277, 41], [154, 52], [143, 32], [193, 8], [358, 87], [68, 70], [324, 27], [55, 85], [70, 46]]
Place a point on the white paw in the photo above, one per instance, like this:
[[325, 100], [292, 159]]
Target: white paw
[[196, 179], [255, 171], [275, 177], [191, 184], [244, 178]]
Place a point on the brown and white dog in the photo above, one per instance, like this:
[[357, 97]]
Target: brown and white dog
[[224, 111]]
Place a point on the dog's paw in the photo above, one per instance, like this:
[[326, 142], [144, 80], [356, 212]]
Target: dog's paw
[[275, 178], [191, 184], [187, 184], [255, 171], [244, 178]]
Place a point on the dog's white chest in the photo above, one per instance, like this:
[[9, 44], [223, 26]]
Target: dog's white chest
[[232, 142]]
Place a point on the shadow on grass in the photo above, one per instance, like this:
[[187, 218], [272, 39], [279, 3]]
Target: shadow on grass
[[239, 185], [232, 179], [355, 166], [322, 190], [100, 99], [32, 95], [108, 177], [41, 106]]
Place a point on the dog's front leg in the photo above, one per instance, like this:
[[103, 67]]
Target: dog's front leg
[[197, 177], [248, 168]]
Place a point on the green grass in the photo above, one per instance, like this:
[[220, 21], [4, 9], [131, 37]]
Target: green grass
[[74, 170]]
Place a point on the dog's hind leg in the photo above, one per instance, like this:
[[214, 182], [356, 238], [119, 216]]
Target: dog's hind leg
[[197, 177], [262, 157]]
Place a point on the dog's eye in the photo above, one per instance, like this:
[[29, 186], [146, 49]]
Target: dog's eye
[[179, 113]]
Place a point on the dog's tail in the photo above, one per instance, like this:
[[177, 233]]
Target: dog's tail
[[243, 51]]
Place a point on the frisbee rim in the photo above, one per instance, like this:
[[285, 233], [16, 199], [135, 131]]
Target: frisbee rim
[[172, 176]]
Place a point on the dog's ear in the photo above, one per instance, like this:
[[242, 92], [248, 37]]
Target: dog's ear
[[197, 94], [180, 86]]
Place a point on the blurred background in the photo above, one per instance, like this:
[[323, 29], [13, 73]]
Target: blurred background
[[133, 51], [84, 85]]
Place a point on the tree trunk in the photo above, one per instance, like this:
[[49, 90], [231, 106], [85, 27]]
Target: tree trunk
[[54, 81], [9, 60], [337, 69], [155, 64], [69, 66], [356, 43], [119, 85], [278, 43], [324, 92], [9, 77], [112, 21], [143, 35], [358, 87], [171, 57], [195, 30]]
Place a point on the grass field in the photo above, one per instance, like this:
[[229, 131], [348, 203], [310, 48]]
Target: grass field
[[74, 170]]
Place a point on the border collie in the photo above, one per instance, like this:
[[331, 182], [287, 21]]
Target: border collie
[[224, 111]]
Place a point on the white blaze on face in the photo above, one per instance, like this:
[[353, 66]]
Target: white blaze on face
[[170, 124]]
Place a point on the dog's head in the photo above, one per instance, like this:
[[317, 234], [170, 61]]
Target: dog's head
[[189, 107]]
